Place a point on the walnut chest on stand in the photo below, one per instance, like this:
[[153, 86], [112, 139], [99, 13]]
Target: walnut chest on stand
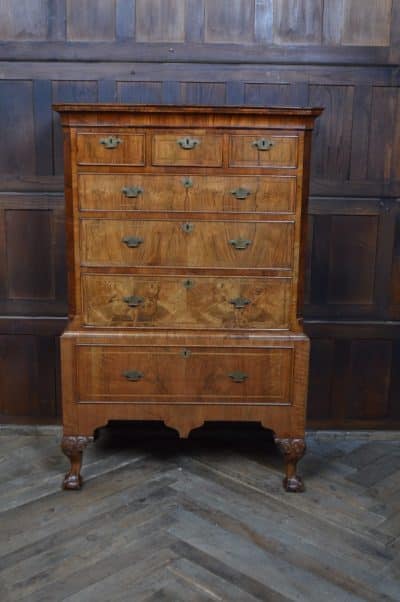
[[186, 237]]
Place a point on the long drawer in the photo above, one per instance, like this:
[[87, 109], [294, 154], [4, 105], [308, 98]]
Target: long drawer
[[192, 192], [184, 375], [197, 244], [185, 302]]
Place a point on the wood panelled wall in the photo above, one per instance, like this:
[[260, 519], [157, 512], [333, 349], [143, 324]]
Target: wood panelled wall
[[341, 54]]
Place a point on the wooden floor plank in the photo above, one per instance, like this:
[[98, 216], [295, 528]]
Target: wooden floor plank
[[202, 519]]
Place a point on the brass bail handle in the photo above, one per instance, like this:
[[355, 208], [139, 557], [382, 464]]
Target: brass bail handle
[[188, 143], [132, 192], [133, 375], [110, 142], [263, 144], [133, 301], [238, 377]]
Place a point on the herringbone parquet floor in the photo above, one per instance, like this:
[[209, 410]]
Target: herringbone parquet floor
[[203, 519]]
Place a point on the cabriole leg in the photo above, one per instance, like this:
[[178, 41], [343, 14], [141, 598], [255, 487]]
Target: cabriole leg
[[293, 450], [73, 446]]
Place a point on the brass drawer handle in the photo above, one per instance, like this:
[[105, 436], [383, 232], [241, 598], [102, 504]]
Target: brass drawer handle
[[133, 375], [188, 143], [240, 302], [240, 193], [238, 377], [188, 283], [110, 142], [187, 227], [132, 241], [132, 192], [240, 244], [187, 182], [133, 301], [263, 144]]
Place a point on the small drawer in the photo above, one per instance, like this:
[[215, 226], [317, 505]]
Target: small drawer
[[192, 192], [195, 148], [110, 148], [184, 375], [185, 302], [263, 150], [197, 244]]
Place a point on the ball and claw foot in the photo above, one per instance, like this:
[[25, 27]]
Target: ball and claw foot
[[73, 446], [293, 450]]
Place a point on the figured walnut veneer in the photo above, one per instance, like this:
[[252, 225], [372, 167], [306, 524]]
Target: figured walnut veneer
[[186, 230]]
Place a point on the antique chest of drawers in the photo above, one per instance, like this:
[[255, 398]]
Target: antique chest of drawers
[[186, 230]]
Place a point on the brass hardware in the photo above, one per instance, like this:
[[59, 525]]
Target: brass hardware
[[133, 375], [240, 302], [132, 192], [240, 193], [188, 283], [187, 182], [238, 377], [187, 227], [132, 241], [240, 243], [263, 144], [188, 143], [110, 142], [133, 301], [186, 353]]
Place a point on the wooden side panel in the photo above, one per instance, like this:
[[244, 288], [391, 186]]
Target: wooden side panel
[[23, 20], [343, 268], [28, 377], [357, 22], [384, 147], [32, 255], [354, 381], [30, 274], [332, 137], [90, 20], [160, 20], [17, 153], [298, 21], [229, 22], [139, 92]]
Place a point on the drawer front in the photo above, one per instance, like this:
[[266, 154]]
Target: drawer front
[[263, 150], [187, 148], [133, 192], [190, 244], [179, 375], [185, 302], [108, 148]]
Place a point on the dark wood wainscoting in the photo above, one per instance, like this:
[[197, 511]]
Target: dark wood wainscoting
[[343, 55]]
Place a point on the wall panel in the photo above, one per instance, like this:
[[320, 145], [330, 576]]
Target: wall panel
[[341, 54]]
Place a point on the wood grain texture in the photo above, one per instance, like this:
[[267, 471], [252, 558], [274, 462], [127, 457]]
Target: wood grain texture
[[198, 520], [200, 376], [186, 302], [231, 22], [352, 72], [91, 20], [205, 244], [24, 20], [191, 192], [160, 20], [136, 296]]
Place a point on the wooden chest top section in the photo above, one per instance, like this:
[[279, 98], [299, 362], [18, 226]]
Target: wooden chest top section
[[159, 196], [193, 116]]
